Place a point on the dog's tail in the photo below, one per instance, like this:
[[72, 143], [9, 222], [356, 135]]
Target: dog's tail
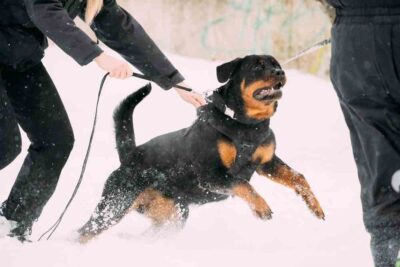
[[124, 133]]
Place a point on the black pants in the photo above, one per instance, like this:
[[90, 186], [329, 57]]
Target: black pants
[[29, 99], [365, 71]]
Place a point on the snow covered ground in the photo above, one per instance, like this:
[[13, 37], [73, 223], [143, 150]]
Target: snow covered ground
[[311, 137]]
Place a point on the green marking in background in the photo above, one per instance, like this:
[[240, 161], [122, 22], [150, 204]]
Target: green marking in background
[[398, 260]]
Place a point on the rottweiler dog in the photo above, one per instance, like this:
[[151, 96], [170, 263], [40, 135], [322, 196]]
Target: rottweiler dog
[[209, 161]]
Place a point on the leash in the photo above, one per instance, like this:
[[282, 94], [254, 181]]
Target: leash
[[54, 227], [227, 111], [306, 51], [144, 77]]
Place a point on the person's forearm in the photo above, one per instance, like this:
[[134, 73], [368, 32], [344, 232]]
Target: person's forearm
[[53, 20], [122, 33]]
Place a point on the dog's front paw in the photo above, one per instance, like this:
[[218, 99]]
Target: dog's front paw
[[262, 210], [317, 210], [312, 203]]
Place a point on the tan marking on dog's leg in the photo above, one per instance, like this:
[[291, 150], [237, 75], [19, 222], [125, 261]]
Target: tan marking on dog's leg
[[285, 175], [254, 108], [259, 206], [264, 153], [227, 152], [156, 207]]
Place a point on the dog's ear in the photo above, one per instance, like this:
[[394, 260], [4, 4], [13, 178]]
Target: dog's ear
[[225, 71]]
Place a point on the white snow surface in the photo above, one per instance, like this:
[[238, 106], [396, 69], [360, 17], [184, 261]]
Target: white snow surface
[[311, 137]]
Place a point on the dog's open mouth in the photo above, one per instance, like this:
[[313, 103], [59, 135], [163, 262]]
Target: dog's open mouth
[[269, 93]]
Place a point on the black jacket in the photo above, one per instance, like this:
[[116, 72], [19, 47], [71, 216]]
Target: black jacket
[[24, 25], [364, 3]]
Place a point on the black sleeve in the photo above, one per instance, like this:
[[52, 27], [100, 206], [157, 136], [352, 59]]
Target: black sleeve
[[53, 20], [121, 32]]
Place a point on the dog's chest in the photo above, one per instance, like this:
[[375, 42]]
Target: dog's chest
[[228, 153]]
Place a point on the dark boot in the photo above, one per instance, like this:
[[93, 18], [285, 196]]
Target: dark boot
[[18, 230], [21, 231]]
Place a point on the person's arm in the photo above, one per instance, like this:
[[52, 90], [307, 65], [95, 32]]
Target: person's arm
[[53, 20], [116, 28]]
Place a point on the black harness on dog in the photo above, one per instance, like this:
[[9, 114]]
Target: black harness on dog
[[246, 137]]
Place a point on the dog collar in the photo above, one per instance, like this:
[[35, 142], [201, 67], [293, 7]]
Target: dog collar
[[216, 99]]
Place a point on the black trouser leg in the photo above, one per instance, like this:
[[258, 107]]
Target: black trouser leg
[[381, 206], [385, 249], [41, 114], [368, 87], [10, 138]]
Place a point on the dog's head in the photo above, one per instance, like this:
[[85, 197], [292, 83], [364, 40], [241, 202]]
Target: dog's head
[[253, 85]]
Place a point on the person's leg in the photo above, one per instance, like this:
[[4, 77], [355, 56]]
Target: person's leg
[[377, 160], [385, 248], [41, 114], [370, 111], [10, 137]]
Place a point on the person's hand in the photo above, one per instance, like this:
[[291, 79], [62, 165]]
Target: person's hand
[[117, 68], [191, 97]]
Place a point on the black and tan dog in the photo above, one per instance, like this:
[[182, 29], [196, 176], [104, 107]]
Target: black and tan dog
[[209, 161]]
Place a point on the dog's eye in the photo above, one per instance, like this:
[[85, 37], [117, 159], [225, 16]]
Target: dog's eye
[[258, 67]]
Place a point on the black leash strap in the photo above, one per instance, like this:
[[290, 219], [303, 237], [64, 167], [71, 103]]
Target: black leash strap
[[144, 77], [53, 228]]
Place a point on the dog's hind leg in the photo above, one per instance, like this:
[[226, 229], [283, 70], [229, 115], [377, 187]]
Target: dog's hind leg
[[118, 195], [280, 172], [169, 226], [159, 208]]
